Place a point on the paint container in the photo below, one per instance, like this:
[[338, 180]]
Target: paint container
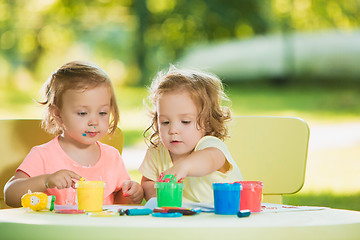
[[90, 195], [251, 195], [226, 198], [169, 194]]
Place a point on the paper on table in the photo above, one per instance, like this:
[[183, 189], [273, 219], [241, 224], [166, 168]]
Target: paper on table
[[113, 208], [205, 207], [272, 207], [265, 207]]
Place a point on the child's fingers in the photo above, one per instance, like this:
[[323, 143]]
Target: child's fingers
[[74, 175], [136, 192], [126, 187], [61, 183], [69, 182], [137, 198]]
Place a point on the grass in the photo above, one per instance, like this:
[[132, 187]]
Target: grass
[[317, 104], [308, 101], [325, 199]]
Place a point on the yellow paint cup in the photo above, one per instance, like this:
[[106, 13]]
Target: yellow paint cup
[[90, 195]]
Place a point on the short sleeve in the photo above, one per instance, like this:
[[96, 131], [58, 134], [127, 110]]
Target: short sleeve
[[33, 165], [156, 161], [210, 141], [149, 167]]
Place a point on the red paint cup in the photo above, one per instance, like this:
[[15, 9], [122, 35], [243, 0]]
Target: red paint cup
[[251, 195]]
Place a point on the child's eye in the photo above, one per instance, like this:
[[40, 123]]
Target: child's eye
[[103, 113], [164, 122], [82, 113], [186, 122]]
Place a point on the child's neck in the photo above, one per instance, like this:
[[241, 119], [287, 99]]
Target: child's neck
[[85, 155]]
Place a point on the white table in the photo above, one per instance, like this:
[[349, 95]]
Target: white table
[[317, 224]]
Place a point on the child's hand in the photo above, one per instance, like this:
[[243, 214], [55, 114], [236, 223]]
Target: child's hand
[[133, 190], [178, 170], [62, 179]]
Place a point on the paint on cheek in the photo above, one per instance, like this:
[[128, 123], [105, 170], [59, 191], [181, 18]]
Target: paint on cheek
[[84, 134]]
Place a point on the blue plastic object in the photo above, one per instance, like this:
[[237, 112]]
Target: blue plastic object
[[138, 211], [174, 214], [226, 198]]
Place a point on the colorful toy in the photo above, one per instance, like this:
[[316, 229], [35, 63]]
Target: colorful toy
[[169, 191], [227, 198], [184, 211], [90, 195], [37, 201], [251, 195]]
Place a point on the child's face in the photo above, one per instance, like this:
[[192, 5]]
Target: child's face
[[177, 123], [85, 114]]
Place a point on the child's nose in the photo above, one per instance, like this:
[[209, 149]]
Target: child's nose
[[173, 129], [93, 121], [92, 124]]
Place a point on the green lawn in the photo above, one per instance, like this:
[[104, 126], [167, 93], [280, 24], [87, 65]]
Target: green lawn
[[325, 199]]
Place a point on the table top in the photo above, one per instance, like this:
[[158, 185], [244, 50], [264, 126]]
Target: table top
[[326, 223]]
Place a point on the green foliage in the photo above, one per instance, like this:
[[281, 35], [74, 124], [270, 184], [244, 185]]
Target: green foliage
[[132, 137], [340, 201], [132, 39]]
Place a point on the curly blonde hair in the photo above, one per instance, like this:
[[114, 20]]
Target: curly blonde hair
[[74, 75], [205, 89]]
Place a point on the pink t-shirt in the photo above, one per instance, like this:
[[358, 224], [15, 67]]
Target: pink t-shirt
[[50, 157]]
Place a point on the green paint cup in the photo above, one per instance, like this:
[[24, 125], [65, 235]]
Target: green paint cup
[[169, 194]]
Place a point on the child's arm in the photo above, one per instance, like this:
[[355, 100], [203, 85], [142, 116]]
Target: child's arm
[[131, 193], [20, 183], [149, 188], [199, 163]]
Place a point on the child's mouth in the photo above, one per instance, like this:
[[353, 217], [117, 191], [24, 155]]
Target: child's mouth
[[91, 134]]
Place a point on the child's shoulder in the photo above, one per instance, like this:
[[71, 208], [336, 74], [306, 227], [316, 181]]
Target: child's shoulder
[[158, 147], [48, 145], [107, 148], [209, 141], [209, 138]]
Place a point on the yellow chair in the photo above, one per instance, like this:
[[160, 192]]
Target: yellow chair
[[20, 135], [272, 150]]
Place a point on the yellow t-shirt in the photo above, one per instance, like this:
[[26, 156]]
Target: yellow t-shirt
[[196, 189]]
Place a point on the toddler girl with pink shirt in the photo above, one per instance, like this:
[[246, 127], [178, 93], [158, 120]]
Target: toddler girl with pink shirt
[[80, 109]]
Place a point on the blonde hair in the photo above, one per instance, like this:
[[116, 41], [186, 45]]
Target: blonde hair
[[207, 92], [74, 75]]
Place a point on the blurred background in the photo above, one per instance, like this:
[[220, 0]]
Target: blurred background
[[295, 58]]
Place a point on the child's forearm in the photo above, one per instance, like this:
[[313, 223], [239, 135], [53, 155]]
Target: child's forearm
[[16, 188], [199, 163], [149, 188]]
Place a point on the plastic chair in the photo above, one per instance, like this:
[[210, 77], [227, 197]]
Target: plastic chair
[[20, 135], [272, 150]]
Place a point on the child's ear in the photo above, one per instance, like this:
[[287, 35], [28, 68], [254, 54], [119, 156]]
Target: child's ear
[[55, 113]]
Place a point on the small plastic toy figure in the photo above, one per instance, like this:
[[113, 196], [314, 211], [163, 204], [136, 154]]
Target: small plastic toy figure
[[37, 201]]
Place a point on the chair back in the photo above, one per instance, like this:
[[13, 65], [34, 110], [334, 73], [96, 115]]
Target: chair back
[[272, 150], [20, 135]]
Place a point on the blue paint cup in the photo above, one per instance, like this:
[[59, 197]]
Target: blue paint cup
[[226, 198]]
